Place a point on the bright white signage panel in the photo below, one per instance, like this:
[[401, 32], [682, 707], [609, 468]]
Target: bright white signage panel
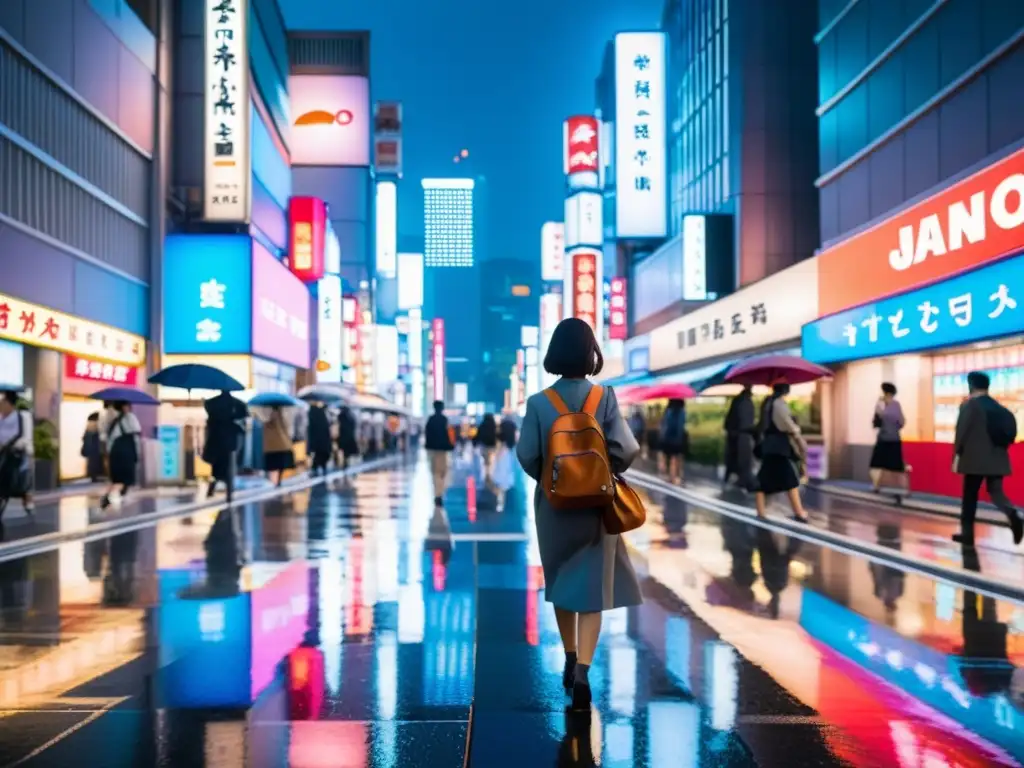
[[640, 148], [529, 336], [329, 328], [552, 250], [583, 224], [695, 258], [416, 338], [754, 317], [386, 359], [331, 119], [410, 280], [227, 147], [387, 228]]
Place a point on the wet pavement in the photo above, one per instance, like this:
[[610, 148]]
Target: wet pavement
[[351, 624], [915, 532]]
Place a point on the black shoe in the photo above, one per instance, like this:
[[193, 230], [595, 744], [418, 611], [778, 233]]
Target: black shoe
[[569, 675], [105, 501], [438, 501], [1016, 525], [211, 490], [581, 696], [967, 541]]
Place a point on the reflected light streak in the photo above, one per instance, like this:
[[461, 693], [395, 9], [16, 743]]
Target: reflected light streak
[[387, 676], [622, 670], [411, 614], [721, 668], [332, 619], [673, 733], [438, 572], [387, 560]]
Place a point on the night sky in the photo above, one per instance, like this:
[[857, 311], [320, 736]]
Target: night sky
[[496, 78]]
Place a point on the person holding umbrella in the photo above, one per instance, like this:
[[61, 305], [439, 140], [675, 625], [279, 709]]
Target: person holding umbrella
[[225, 416], [318, 438], [783, 451], [123, 450], [348, 442]]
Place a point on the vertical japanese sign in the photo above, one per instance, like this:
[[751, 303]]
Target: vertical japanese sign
[[226, 191], [329, 359], [585, 282], [695, 258], [438, 355], [552, 250], [351, 347], [640, 141], [617, 309], [387, 138], [307, 223], [581, 145]]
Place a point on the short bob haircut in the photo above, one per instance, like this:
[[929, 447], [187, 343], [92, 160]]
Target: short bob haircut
[[573, 351]]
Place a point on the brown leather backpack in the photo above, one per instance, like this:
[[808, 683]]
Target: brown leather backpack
[[577, 473]]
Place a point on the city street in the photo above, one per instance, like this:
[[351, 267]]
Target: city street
[[402, 635]]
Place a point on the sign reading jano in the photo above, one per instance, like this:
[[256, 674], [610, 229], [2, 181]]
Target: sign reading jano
[[961, 224], [970, 223]]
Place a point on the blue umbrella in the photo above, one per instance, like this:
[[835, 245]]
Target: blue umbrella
[[124, 395], [195, 376], [276, 400]]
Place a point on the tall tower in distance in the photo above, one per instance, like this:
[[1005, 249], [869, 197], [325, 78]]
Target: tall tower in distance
[[451, 277], [448, 222]]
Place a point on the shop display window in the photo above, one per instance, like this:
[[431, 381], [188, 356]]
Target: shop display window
[[1005, 367]]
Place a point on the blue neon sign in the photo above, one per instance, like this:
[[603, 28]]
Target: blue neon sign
[[207, 294], [978, 305]]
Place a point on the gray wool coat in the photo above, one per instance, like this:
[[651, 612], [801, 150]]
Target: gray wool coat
[[976, 453], [586, 570]]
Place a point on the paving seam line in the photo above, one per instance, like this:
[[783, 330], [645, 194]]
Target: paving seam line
[[976, 582], [987, 516], [47, 541]]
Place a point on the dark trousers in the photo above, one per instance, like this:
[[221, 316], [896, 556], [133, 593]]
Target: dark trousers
[[969, 504]]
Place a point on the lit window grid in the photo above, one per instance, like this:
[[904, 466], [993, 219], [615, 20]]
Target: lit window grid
[[448, 227], [699, 144]]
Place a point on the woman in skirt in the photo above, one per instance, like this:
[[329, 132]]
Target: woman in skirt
[[783, 452], [888, 453], [278, 454]]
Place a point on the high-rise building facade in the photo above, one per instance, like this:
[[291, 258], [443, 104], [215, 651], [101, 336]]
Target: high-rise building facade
[[742, 128], [452, 274], [448, 222]]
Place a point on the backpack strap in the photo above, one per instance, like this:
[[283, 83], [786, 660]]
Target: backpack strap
[[593, 400], [556, 401]]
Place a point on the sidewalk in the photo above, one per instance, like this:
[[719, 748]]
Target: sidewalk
[[74, 515], [865, 524]]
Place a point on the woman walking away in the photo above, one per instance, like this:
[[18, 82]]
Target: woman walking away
[[347, 442], [278, 454], [92, 450], [486, 439], [675, 439], [318, 438], [782, 450], [586, 570], [887, 455], [124, 450]]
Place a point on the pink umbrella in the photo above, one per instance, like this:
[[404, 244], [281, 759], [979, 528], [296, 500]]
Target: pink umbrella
[[772, 368], [631, 394], [669, 391]]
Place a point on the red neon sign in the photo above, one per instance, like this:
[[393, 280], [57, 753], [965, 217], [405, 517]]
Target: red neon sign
[[307, 237], [584, 287]]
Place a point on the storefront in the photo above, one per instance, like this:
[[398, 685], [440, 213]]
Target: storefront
[[40, 347], [761, 318], [229, 303], [920, 300]]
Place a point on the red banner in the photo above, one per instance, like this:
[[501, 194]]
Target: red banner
[[91, 370], [307, 237], [584, 287], [581, 137]]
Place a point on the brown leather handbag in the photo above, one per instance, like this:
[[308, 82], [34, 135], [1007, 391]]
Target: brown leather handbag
[[627, 512]]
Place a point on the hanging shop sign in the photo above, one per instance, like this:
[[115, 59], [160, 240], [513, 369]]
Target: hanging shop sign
[[980, 305]]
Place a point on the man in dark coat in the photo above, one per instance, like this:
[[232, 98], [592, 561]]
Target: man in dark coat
[[348, 442], [979, 459], [739, 440], [225, 416], [318, 438]]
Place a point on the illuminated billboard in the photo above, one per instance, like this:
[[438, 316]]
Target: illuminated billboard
[[307, 237], [581, 145], [583, 219], [387, 138], [387, 228], [695, 258], [552, 250], [227, 148], [386, 358], [641, 188], [586, 278], [437, 355], [410, 280], [617, 309], [331, 119], [329, 335]]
